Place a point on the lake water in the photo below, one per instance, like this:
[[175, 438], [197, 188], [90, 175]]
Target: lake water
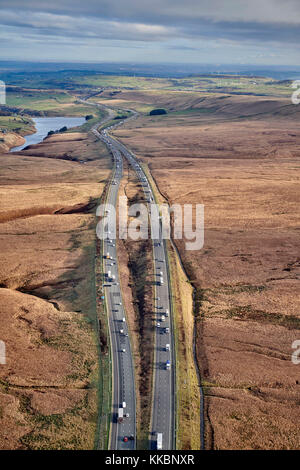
[[45, 124]]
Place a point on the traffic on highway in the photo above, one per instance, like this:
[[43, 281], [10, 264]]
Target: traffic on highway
[[123, 429]]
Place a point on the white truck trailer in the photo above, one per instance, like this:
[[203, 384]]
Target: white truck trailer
[[120, 415], [159, 437]]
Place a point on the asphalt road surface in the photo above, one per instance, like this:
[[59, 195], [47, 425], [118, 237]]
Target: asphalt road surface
[[122, 362], [163, 407]]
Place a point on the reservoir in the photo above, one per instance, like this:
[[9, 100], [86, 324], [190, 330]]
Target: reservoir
[[45, 124]]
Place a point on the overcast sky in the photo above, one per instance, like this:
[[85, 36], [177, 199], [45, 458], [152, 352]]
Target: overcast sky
[[260, 32]]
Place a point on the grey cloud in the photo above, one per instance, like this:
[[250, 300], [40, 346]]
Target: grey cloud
[[260, 23], [53, 24], [168, 11], [49, 23]]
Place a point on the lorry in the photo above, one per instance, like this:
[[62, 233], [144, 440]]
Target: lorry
[[120, 415], [159, 437]]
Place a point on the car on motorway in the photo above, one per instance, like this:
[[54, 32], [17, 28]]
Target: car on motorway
[[167, 347], [167, 312], [167, 330]]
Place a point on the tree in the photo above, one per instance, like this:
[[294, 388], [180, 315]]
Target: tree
[[89, 116], [122, 116], [63, 129], [157, 111]]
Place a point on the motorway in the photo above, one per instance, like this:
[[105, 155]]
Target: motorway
[[164, 380], [163, 406], [122, 361]]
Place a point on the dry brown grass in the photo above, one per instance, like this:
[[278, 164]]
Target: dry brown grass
[[188, 436], [246, 173], [85, 149], [9, 140], [213, 105], [48, 394]]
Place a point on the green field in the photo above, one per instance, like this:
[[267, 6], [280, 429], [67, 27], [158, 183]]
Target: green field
[[124, 82], [224, 84], [67, 80], [37, 99], [47, 102], [175, 94], [19, 124]]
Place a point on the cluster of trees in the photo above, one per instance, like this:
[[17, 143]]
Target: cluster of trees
[[62, 129], [157, 111], [89, 116]]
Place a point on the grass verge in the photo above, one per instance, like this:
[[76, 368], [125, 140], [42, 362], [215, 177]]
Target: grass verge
[[187, 386]]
